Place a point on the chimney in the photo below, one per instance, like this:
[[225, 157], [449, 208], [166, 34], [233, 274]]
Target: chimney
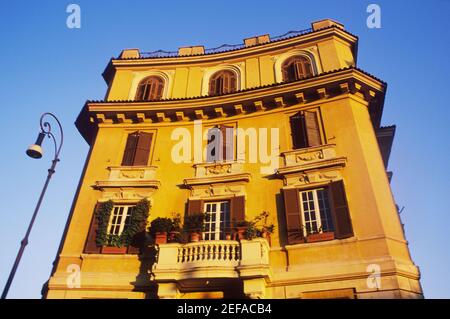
[[317, 25]]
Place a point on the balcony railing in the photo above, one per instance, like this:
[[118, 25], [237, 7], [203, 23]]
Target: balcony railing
[[212, 259], [217, 251]]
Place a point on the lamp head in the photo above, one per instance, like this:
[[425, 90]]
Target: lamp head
[[35, 150]]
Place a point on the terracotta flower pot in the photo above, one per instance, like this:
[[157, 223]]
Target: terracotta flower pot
[[174, 236], [114, 250], [161, 238], [194, 237], [228, 237], [320, 237], [240, 233]]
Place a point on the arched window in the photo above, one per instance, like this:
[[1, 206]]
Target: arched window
[[222, 82], [296, 68], [150, 88]]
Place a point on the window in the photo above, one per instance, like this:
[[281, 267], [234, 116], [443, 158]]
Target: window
[[217, 220], [220, 144], [119, 219], [137, 149], [315, 211], [150, 88], [305, 129], [296, 68], [222, 82], [319, 210]]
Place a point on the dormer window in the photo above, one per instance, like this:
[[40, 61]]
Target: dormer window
[[150, 88], [223, 82], [296, 68]]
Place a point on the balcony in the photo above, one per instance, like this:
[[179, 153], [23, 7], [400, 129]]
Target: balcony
[[212, 259]]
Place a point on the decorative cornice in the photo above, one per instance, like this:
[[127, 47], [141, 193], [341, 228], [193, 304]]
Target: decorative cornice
[[218, 179], [137, 184], [262, 99], [338, 161]]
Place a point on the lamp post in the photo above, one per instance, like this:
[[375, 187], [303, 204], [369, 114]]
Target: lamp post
[[35, 151]]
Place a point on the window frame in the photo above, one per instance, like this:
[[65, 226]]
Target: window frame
[[144, 82], [128, 132], [321, 128], [219, 74], [319, 215], [218, 233], [292, 63], [221, 157], [126, 212]]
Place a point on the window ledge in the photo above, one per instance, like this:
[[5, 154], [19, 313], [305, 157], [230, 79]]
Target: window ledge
[[309, 155], [317, 164], [333, 242], [217, 168], [130, 176]]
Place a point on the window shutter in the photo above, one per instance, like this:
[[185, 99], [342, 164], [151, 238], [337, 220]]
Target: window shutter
[[340, 211], [159, 91], [293, 220], [227, 134], [312, 128], [143, 149], [307, 69], [298, 67], [297, 131], [195, 206], [237, 208], [140, 92], [233, 83], [91, 246], [130, 149], [212, 86]]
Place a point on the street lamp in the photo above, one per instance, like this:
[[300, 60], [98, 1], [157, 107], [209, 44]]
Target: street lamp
[[35, 151]]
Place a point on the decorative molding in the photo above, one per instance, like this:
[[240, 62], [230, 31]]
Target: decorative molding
[[217, 168], [311, 165], [218, 179], [129, 177], [326, 85]]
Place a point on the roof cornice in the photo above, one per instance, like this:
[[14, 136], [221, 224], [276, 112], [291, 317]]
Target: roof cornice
[[273, 46]]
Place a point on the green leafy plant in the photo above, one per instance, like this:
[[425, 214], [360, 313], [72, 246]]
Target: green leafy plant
[[136, 224], [102, 214], [194, 222], [161, 225], [176, 223], [257, 226]]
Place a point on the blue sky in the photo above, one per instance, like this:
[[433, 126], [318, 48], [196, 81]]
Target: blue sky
[[47, 67]]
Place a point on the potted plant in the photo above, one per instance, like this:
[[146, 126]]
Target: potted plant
[[319, 236], [252, 231], [114, 246], [160, 227], [193, 225], [240, 229], [267, 230], [175, 231]]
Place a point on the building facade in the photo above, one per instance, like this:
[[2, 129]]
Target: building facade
[[285, 126]]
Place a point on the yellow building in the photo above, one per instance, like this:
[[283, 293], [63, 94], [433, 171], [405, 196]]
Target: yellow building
[[288, 126]]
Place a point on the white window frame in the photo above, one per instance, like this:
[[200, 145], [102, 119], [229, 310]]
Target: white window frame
[[317, 212], [126, 213], [218, 230]]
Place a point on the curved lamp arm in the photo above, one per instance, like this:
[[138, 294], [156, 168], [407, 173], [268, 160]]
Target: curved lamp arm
[[46, 128]]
